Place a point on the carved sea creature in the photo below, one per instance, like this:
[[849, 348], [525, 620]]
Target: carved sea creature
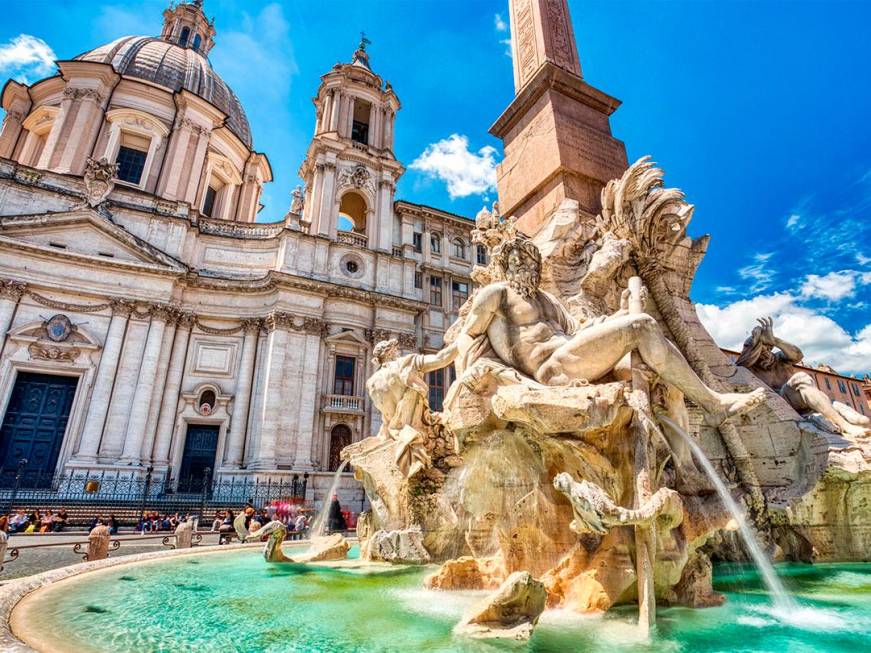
[[596, 512]]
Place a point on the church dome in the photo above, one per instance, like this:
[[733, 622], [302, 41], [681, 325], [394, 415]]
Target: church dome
[[167, 64]]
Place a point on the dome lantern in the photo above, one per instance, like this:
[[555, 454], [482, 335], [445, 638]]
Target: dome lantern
[[186, 25]]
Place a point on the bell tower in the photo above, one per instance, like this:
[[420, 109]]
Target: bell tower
[[186, 24], [556, 132], [350, 170]]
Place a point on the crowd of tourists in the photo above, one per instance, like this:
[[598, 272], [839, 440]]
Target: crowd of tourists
[[296, 520], [34, 521], [151, 522]]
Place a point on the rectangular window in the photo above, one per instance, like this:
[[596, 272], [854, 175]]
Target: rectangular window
[[130, 164], [459, 294], [856, 390], [343, 383], [481, 254], [418, 279], [435, 291], [209, 202], [828, 385], [417, 240], [360, 132], [842, 387], [436, 382]]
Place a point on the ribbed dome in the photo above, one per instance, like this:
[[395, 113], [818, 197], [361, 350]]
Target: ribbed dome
[[174, 67]]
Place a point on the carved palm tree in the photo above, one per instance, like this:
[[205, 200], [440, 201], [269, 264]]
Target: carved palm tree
[[653, 219]]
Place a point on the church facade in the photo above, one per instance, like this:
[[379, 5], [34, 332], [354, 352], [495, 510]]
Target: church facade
[[149, 323]]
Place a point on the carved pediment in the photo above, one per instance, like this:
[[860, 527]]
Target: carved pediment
[[82, 232]]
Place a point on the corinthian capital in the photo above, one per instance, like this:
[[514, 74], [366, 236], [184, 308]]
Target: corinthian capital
[[13, 290], [252, 324], [121, 307]]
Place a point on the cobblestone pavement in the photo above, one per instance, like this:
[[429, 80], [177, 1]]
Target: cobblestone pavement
[[35, 561]]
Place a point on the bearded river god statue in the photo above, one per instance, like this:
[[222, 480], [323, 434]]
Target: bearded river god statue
[[778, 371], [560, 449]]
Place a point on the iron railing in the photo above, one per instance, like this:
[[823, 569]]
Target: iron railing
[[129, 496]]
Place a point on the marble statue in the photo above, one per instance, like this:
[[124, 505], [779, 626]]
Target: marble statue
[[298, 201], [561, 450], [777, 370], [528, 330]]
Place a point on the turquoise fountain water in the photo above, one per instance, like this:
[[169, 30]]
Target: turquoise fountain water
[[234, 602]]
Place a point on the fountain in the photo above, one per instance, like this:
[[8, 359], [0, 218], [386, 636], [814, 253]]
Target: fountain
[[561, 450], [560, 479]]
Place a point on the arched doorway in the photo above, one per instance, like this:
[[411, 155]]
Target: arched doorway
[[340, 437], [352, 213]]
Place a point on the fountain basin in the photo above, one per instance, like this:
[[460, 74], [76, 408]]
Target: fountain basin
[[230, 600]]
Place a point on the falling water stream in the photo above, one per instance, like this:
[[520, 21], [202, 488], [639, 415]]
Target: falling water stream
[[320, 522], [783, 602]]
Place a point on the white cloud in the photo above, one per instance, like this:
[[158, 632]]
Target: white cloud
[[833, 286], [465, 172], [793, 222], [26, 58], [508, 51], [820, 338], [499, 23], [758, 273]]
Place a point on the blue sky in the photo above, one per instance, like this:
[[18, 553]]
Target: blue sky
[[758, 110]]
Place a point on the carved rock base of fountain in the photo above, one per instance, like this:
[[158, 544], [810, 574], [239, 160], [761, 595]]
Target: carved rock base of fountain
[[510, 613], [403, 546], [833, 520], [468, 573], [330, 547]]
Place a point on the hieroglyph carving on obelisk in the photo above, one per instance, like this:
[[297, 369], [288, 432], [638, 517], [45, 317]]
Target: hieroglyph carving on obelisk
[[541, 30]]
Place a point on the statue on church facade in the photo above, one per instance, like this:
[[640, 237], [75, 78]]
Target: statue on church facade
[[777, 370], [297, 202]]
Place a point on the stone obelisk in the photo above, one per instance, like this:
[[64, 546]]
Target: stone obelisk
[[556, 131]]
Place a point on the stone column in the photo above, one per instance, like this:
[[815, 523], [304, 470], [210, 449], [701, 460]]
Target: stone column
[[126, 378], [307, 407], [388, 130], [51, 141], [324, 121], [10, 295], [268, 416], [349, 123], [176, 153], [81, 132], [105, 379], [385, 216], [169, 406], [326, 220], [12, 126], [132, 450], [336, 110], [236, 442], [202, 134], [312, 207], [159, 386], [374, 125]]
